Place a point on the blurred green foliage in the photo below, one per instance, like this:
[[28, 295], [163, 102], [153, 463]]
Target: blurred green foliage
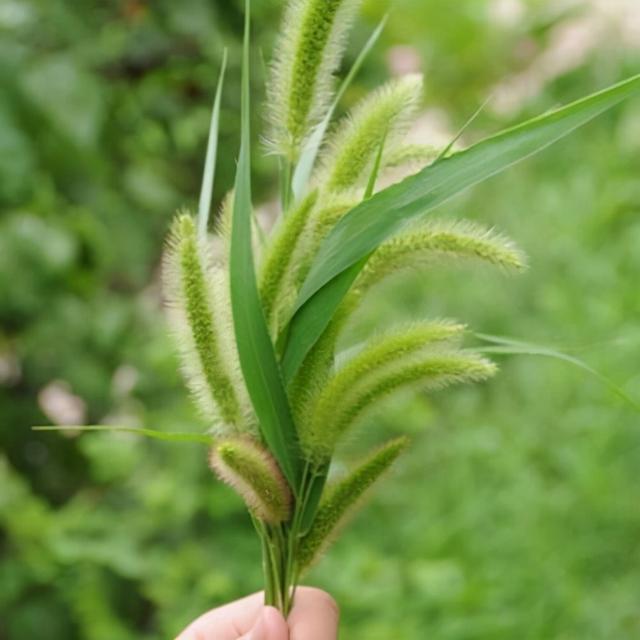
[[515, 514]]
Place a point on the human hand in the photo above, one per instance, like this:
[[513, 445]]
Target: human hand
[[314, 617]]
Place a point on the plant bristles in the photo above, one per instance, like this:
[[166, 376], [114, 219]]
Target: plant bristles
[[204, 337], [389, 347], [342, 498], [336, 411], [386, 113], [278, 256], [252, 471], [410, 155], [425, 245], [315, 380], [308, 52]]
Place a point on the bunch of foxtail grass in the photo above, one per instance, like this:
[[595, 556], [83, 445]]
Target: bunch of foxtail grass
[[259, 325]]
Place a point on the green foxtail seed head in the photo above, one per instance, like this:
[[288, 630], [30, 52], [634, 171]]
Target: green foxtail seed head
[[202, 336], [342, 498], [279, 253], [388, 347], [307, 54], [252, 471], [401, 341], [384, 115], [337, 411], [429, 243]]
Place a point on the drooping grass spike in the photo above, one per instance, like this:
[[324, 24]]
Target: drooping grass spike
[[425, 245], [385, 114], [337, 410], [342, 498], [201, 333]]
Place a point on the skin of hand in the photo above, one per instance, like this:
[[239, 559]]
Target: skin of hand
[[314, 616]]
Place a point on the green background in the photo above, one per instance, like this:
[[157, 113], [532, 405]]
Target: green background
[[516, 512]]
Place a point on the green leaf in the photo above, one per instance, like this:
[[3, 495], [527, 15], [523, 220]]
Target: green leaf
[[256, 351], [167, 436], [508, 346], [204, 208], [357, 235], [310, 322], [305, 165]]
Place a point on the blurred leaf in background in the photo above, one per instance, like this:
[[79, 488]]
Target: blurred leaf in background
[[518, 511]]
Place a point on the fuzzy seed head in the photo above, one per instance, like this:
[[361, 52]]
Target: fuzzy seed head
[[196, 313], [342, 499], [290, 252], [252, 471], [436, 241], [279, 253], [384, 115], [308, 52], [339, 409]]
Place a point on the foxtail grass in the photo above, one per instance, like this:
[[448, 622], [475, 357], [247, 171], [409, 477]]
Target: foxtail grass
[[259, 327]]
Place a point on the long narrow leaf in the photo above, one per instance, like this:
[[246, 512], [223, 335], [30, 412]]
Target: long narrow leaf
[[204, 208], [305, 165], [463, 129], [310, 321], [375, 171], [508, 346], [376, 219], [167, 436], [257, 355]]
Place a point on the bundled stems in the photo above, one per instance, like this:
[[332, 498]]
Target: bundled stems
[[280, 543]]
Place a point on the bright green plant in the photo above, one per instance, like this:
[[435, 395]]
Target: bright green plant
[[259, 324], [335, 241]]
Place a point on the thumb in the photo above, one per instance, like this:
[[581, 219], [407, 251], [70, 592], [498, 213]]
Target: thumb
[[270, 625]]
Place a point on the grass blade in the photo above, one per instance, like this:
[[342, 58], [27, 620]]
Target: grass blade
[[304, 168], [376, 219], [257, 355], [309, 323], [462, 131], [206, 193], [508, 346], [375, 171], [167, 436]]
